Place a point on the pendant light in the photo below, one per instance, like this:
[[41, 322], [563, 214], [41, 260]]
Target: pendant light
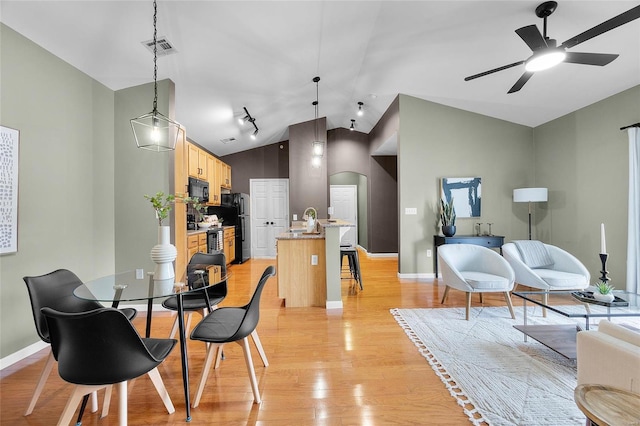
[[353, 125], [154, 131], [318, 145]]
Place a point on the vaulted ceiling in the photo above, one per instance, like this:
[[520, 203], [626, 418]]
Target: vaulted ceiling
[[263, 55]]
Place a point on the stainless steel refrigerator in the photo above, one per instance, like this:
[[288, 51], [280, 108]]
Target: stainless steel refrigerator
[[235, 210]]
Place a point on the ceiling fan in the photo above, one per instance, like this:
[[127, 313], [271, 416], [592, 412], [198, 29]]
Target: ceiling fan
[[547, 54]]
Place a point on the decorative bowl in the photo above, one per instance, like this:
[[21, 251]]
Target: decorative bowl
[[204, 225]]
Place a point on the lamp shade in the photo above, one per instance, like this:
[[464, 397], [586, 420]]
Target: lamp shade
[[525, 195]]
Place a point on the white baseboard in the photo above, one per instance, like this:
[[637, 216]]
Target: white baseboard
[[417, 276], [9, 360], [333, 304]]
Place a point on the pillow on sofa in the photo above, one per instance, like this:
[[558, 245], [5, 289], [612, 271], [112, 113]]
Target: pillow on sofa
[[534, 253]]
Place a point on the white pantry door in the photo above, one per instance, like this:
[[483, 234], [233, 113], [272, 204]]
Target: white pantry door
[[344, 200], [269, 214]]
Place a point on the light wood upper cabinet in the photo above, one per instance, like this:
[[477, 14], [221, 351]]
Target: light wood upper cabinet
[[214, 181], [197, 162], [226, 174]]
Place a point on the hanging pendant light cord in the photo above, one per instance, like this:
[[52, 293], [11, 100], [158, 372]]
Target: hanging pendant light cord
[[155, 57]]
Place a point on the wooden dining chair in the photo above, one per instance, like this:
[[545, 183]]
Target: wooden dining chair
[[100, 348], [231, 324], [55, 290]]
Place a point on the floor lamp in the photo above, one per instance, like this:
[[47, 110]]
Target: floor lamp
[[530, 195]]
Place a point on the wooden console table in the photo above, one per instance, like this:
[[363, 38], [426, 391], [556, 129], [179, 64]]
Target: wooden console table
[[491, 241]]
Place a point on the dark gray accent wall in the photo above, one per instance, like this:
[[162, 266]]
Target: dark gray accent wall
[[308, 186], [266, 162], [383, 205], [383, 185], [348, 151]]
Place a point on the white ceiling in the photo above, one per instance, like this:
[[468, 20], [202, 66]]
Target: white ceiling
[[263, 55]]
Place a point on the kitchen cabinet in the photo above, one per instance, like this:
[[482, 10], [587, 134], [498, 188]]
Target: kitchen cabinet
[[197, 162], [229, 244], [226, 174], [214, 180], [196, 243]]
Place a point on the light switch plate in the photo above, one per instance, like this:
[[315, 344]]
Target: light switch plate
[[139, 274], [314, 259], [410, 210], [295, 217]]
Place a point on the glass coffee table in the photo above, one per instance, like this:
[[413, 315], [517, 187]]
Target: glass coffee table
[[562, 337]]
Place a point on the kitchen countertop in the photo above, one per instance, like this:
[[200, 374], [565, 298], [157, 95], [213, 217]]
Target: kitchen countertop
[[202, 230], [322, 223]]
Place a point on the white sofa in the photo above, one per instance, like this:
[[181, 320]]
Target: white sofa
[[609, 356]]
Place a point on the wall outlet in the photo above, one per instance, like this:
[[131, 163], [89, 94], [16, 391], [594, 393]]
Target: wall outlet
[[429, 254], [314, 259], [410, 210], [139, 274], [295, 217], [330, 210]]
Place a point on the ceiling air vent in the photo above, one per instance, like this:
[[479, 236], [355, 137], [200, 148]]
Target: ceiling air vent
[[164, 46], [227, 140]]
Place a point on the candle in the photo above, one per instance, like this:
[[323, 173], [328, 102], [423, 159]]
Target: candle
[[603, 241]]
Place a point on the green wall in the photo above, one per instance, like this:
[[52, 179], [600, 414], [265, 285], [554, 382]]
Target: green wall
[[583, 159], [436, 141], [81, 181], [65, 211]]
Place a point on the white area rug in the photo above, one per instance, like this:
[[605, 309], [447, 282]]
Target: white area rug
[[486, 365]]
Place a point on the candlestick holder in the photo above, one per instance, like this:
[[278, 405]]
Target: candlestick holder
[[604, 277]]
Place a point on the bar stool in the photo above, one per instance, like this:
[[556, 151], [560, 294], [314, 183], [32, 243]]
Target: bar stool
[[354, 263]]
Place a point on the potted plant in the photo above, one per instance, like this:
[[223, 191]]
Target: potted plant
[[163, 253], [603, 292], [448, 217]]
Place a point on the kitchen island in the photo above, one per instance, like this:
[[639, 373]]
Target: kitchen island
[[309, 265]]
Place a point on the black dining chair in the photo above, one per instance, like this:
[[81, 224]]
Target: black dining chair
[[231, 324], [100, 348], [55, 290], [198, 276]]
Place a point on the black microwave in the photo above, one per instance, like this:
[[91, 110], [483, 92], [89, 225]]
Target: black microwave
[[199, 188]]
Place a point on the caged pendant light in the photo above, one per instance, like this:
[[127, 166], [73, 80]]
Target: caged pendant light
[[154, 131]]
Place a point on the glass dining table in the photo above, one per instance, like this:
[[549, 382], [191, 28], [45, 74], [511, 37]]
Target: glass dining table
[[129, 286]]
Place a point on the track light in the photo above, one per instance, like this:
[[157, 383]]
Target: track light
[[353, 125], [248, 118], [360, 111]]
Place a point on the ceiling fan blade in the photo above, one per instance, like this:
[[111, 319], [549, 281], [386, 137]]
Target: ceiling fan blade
[[531, 35], [612, 23], [482, 74], [521, 81], [599, 59]]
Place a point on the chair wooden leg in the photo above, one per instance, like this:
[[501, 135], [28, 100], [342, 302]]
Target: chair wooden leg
[[444, 296], [468, 305], [94, 402], [256, 341], [211, 352], [76, 396], [174, 328], [122, 403], [252, 374], [107, 401], [545, 301], [46, 370], [154, 375], [481, 298], [219, 353], [507, 297]]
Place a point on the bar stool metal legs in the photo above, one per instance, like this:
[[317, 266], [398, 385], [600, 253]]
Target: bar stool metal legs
[[354, 263]]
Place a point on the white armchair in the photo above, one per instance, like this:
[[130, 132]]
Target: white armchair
[[565, 272], [475, 269]]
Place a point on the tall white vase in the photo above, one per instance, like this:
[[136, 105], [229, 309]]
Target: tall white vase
[[163, 254]]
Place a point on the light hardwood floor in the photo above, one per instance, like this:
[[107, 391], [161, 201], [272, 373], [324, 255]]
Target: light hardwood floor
[[350, 367]]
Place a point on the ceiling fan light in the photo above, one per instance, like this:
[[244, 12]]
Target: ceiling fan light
[[545, 60]]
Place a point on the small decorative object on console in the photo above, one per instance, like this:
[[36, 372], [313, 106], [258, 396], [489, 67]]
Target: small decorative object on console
[[448, 217], [588, 297]]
